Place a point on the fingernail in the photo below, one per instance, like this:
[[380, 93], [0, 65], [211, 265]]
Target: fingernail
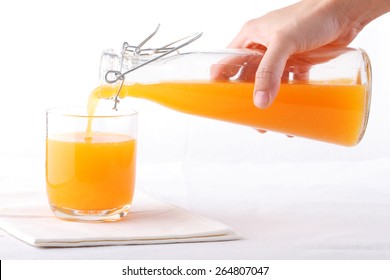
[[261, 99]]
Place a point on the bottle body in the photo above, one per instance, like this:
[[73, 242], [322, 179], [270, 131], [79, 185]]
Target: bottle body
[[327, 103]]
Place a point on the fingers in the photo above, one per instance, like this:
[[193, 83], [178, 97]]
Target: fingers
[[227, 67], [268, 75], [238, 67], [222, 71]]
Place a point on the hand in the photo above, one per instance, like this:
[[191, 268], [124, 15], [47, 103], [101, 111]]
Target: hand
[[299, 28]]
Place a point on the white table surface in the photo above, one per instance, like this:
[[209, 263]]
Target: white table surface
[[319, 210]]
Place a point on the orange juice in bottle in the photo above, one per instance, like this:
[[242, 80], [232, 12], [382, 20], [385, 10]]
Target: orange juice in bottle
[[324, 95]]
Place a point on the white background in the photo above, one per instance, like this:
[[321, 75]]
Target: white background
[[50, 53], [289, 198]]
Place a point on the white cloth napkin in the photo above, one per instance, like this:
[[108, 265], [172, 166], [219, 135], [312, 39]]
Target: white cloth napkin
[[27, 216]]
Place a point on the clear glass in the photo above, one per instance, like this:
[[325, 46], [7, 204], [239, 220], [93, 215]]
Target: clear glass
[[324, 94], [90, 163]]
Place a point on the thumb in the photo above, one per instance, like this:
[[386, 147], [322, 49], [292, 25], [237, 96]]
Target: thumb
[[268, 76]]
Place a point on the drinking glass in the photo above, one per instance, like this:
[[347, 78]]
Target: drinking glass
[[90, 162]]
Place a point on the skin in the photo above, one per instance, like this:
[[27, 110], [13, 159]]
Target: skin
[[304, 26]]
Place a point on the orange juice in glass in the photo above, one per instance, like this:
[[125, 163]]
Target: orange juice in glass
[[90, 163]]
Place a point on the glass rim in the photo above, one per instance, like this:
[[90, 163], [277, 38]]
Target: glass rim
[[82, 112]]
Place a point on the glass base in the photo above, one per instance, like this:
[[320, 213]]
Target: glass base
[[108, 215]]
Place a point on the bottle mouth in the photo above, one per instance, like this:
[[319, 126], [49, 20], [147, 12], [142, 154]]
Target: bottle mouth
[[109, 61]]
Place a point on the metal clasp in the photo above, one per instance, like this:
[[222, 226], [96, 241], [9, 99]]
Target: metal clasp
[[114, 76]]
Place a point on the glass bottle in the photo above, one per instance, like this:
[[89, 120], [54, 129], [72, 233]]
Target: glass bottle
[[324, 94]]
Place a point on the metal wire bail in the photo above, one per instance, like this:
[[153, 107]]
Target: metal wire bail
[[114, 76]]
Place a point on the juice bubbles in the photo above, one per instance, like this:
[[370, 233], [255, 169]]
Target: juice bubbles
[[335, 113], [90, 178]]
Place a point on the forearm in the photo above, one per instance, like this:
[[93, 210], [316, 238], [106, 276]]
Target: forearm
[[360, 12]]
